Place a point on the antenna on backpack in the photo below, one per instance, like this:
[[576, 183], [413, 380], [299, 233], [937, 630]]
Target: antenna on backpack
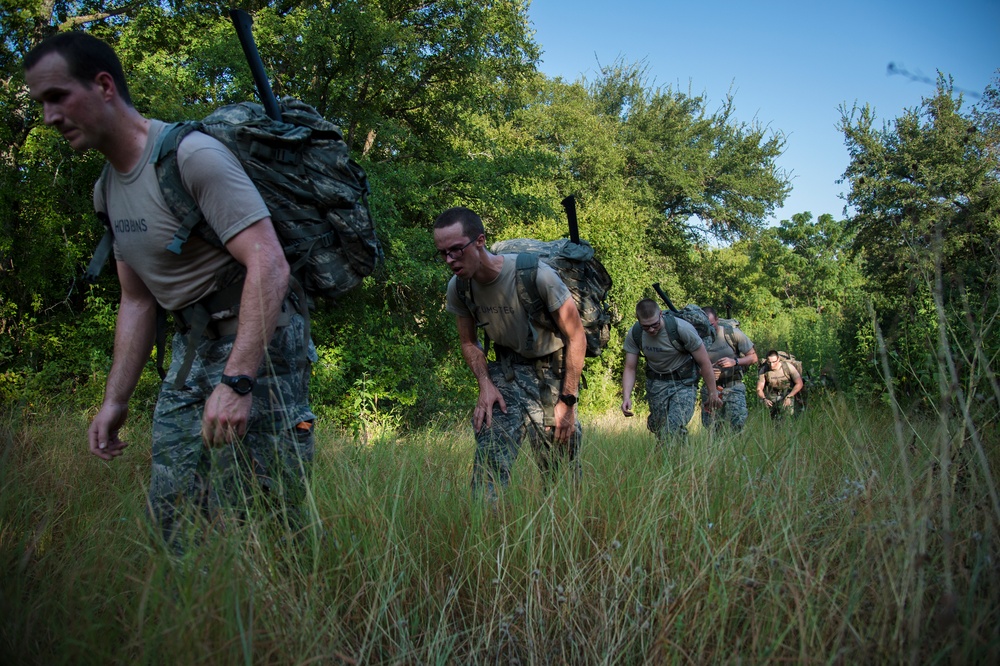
[[569, 203], [242, 22], [663, 295]]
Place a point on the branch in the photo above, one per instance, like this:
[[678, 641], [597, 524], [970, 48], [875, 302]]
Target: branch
[[87, 18]]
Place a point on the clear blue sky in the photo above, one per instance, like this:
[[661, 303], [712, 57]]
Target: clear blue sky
[[789, 64]]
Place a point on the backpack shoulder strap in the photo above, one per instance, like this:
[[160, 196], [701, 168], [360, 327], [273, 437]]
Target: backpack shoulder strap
[[168, 174], [103, 250], [464, 288], [670, 323], [636, 333], [530, 297]]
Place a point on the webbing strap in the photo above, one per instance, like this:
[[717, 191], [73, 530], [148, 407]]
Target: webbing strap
[[197, 318]]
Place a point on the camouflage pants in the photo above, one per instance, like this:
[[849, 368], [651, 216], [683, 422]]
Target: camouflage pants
[[778, 409], [528, 398], [671, 406], [273, 457], [733, 410]]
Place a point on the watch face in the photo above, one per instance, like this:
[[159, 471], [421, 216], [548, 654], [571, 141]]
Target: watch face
[[241, 384], [568, 399]]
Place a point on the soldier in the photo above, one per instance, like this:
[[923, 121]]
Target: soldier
[[730, 353], [240, 418], [778, 383], [531, 389], [675, 355]]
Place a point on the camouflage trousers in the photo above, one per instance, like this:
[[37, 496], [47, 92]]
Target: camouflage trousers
[[271, 461], [530, 402], [733, 410], [778, 409], [671, 406]]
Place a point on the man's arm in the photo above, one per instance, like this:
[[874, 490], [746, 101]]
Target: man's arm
[[475, 358], [797, 384], [628, 382], [264, 289], [700, 356], [568, 320], [761, 382], [135, 331]]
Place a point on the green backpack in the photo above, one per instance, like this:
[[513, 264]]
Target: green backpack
[[579, 269], [316, 194]]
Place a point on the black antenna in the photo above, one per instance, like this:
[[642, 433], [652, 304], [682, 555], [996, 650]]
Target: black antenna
[[663, 295], [569, 203], [242, 22]]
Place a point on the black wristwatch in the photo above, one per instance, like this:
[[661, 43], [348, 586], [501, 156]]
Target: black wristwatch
[[568, 399], [242, 384]]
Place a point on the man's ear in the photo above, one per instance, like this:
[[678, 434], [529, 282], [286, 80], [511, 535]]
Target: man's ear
[[106, 82]]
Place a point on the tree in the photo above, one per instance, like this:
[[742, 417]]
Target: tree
[[926, 188]]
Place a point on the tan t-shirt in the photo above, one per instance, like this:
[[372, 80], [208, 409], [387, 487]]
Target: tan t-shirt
[[781, 379], [720, 348], [661, 355], [499, 308], [144, 226]]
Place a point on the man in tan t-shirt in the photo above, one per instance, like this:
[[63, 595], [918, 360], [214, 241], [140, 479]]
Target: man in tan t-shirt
[[531, 389], [209, 447]]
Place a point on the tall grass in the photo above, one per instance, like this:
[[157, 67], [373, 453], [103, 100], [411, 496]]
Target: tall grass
[[821, 541]]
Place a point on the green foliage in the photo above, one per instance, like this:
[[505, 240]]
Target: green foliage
[[927, 193]]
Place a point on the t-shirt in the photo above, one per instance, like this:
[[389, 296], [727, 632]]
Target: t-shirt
[[720, 348], [661, 354], [499, 308], [144, 226], [780, 379]]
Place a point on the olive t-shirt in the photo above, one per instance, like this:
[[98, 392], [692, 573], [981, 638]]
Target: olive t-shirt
[[499, 309], [661, 355], [720, 348], [144, 226]]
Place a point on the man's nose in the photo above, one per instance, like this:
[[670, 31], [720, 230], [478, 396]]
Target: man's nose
[[50, 114]]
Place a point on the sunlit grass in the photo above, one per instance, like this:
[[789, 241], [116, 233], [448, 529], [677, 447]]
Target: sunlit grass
[[796, 543]]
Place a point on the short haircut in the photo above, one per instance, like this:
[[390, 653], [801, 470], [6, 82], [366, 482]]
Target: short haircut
[[646, 308], [472, 224], [710, 312], [771, 353], [86, 56]]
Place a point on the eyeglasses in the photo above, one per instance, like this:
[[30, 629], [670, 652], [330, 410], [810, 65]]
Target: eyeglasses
[[650, 327], [454, 253]]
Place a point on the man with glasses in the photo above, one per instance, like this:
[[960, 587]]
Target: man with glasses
[[531, 389], [675, 356], [778, 382]]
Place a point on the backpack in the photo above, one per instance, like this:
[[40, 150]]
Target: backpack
[[316, 194], [579, 269]]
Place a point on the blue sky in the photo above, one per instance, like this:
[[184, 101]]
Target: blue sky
[[790, 65]]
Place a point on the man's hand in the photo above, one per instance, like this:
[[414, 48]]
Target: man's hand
[[787, 402], [726, 362], [226, 416], [103, 432], [488, 396], [714, 401], [768, 402], [627, 406], [565, 421]]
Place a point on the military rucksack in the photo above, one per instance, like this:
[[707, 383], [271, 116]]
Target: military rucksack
[[316, 194], [582, 273]]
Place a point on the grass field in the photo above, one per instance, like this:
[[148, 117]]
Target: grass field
[[842, 538]]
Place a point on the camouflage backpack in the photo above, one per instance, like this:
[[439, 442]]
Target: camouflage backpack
[[579, 269], [316, 194]]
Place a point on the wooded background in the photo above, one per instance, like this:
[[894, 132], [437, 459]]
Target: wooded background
[[442, 103]]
